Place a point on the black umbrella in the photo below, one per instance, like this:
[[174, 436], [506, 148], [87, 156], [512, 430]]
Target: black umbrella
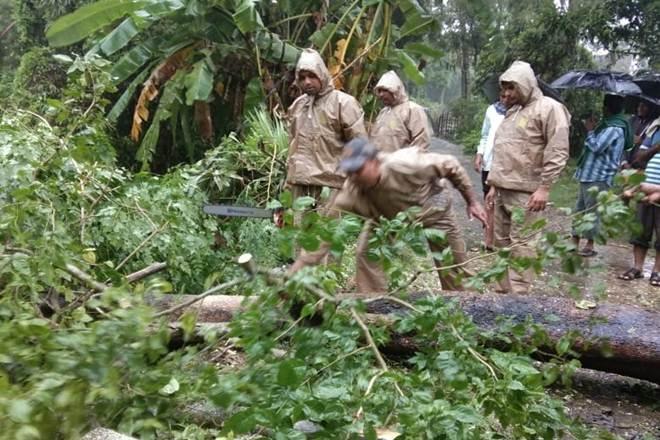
[[614, 83], [649, 82]]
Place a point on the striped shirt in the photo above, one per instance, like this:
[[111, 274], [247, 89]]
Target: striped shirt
[[603, 155], [653, 167]]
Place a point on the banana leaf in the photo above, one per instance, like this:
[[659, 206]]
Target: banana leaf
[[83, 22]]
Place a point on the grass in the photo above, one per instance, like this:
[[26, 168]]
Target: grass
[[563, 193]]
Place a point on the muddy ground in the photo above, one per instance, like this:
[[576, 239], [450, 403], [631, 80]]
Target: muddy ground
[[625, 407]]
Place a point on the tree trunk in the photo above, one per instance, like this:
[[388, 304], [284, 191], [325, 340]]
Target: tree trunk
[[631, 334]]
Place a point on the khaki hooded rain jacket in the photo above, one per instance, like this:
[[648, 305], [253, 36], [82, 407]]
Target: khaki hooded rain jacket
[[531, 143], [319, 126], [404, 124]]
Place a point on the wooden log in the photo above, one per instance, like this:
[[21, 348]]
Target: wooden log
[[631, 333]]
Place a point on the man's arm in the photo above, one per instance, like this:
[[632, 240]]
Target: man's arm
[[601, 141], [485, 131], [351, 119], [643, 155], [450, 168], [555, 154], [419, 129]]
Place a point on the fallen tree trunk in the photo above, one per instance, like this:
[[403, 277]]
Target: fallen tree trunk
[[632, 334]]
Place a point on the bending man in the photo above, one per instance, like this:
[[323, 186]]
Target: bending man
[[385, 184]]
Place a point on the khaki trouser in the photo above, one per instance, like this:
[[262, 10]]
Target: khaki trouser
[[321, 207], [509, 233], [370, 276]]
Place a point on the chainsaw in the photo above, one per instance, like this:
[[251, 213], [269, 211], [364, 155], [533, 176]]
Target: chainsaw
[[276, 215]]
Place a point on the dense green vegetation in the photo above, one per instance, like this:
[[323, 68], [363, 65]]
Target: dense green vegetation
[[121, 118]]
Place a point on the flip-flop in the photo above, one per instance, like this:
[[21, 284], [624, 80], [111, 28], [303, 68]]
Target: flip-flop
[[655, 279], [631, 274], [587, 253]]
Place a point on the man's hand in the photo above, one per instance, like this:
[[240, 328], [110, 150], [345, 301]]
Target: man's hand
[[490, 198], [538, 199], [478, 161], [475, 210], [590, 123]]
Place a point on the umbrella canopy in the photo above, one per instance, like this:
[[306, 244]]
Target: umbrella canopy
[[614, 83], [649, 82]]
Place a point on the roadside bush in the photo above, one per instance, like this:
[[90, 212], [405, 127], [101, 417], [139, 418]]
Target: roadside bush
[[38, 77], [470, 115]]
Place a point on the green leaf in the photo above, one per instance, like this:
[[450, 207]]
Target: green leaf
[[20, 410], [410, 67], [254, 95], [370, 432], [516, 386], [309, 242], [170, 388], [423, 49], [465, 414], [125, 97], [246, 17], [241, 422], [131, 61], [86, 20], [286, 374], [417, 20], [275, 50], [302, 203], [562, 346], [119, 37], [319, 37], [199, 82], [435, 235]]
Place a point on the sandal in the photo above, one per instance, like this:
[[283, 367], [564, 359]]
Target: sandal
[[655, 279], [587, 253], [632, 274]]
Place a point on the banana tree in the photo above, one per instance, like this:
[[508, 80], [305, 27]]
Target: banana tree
[[198, 65]]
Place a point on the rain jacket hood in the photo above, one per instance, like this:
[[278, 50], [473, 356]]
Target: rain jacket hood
[[521, 74], [311, 61], [391, 82], [404, 124]]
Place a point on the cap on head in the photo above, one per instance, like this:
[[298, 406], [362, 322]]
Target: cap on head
[[356, 153]]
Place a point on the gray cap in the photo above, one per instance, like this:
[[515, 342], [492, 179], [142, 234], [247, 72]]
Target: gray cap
[[357, 152]]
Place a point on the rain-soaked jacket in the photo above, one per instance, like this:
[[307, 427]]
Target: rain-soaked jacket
[[408, 178], [319, 126], [531, 144], [404, 124]]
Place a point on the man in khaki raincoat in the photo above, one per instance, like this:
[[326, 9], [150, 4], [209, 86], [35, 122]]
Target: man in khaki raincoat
[[321, 121], [530, 150], [382, 184], [401, 123]]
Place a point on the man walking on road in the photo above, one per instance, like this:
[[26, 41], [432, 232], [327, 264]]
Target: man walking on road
[[530, 151], [381, 184]]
